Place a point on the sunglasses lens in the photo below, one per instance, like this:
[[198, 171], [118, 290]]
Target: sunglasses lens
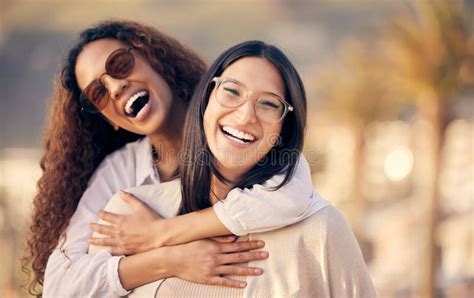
[[96, 94], [87, 105], [120, 64]]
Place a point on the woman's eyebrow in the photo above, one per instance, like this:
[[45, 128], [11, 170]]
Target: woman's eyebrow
[[261, 92], [272, 93]]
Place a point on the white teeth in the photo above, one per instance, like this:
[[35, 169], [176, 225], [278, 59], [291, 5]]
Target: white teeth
[[131, 100], [238, 134]]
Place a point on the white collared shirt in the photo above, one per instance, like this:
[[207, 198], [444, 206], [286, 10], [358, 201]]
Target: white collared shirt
[[72, 272]]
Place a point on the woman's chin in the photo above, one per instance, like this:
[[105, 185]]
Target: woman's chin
[[232, 169]]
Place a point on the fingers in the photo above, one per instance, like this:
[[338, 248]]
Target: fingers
[[120, 251], [239, 270], [130, 199], [110, 217], [241, 246], [115, 248], [103, 229], [224, 239], [108, 241], [227, 282], [241, 257]]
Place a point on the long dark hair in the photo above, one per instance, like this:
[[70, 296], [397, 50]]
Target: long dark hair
[[76, 142], [197, 161]]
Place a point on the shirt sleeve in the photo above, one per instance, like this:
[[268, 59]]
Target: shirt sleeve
[[262, 209], [346, 270], [71, 271]]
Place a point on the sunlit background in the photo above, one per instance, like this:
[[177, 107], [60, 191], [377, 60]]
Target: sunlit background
[[391, 126]]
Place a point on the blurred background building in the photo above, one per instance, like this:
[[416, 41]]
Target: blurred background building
[[391, 116]]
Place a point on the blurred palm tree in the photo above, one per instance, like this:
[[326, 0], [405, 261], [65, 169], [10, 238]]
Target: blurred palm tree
[[354, 92], [424, 58], [430, 55]]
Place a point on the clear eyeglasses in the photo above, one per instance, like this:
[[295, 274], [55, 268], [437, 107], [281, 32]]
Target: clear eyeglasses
[[269, 107]]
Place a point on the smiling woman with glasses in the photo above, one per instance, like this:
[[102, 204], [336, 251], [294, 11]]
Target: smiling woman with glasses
[[119, 105]]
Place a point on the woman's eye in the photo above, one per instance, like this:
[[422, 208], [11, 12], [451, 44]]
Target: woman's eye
[[98, 94], [231, 91], [269, 104], [123, 67]]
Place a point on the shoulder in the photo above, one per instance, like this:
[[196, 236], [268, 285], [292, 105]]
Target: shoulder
[[127, 154], [330, 223], [153, 191], [164, 198], [325, 227], [327, 217], [123, 160], [333, 220], [335, 234]]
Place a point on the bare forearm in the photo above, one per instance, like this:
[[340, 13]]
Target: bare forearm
[[155, 264], [143, 268], [189, 227]]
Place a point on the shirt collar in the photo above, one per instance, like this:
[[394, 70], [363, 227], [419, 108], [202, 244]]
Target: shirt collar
[[145, 167]]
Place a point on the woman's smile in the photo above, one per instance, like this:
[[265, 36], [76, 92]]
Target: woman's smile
[[237, 135], [136, 103]]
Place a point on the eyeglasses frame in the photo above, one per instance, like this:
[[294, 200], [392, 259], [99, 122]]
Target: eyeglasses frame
[[219, 80]]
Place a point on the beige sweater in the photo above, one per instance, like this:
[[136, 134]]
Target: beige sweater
[[318, 257]]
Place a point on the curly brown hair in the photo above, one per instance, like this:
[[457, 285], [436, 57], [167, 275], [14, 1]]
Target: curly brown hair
[[76, 142]]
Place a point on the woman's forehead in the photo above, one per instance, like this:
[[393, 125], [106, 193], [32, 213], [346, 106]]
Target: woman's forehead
[[257, 74]]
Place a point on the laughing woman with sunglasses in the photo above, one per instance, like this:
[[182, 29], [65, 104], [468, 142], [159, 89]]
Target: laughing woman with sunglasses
[[119, 106]]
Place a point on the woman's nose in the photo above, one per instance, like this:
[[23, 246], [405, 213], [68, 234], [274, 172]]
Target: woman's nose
[[115, 87], [246, 112]]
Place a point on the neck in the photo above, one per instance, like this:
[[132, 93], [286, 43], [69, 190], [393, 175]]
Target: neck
[[219, 190], [168, 148], [168, 140], [231, 174]]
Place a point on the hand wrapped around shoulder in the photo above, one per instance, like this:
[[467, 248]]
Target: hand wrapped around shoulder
[[213, 262], [128, 234]]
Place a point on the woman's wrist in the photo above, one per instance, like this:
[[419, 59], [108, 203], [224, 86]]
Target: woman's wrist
[[140, 269], [169, 261], [174, 231], [185, 228], [161, 266], [161, 233]]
